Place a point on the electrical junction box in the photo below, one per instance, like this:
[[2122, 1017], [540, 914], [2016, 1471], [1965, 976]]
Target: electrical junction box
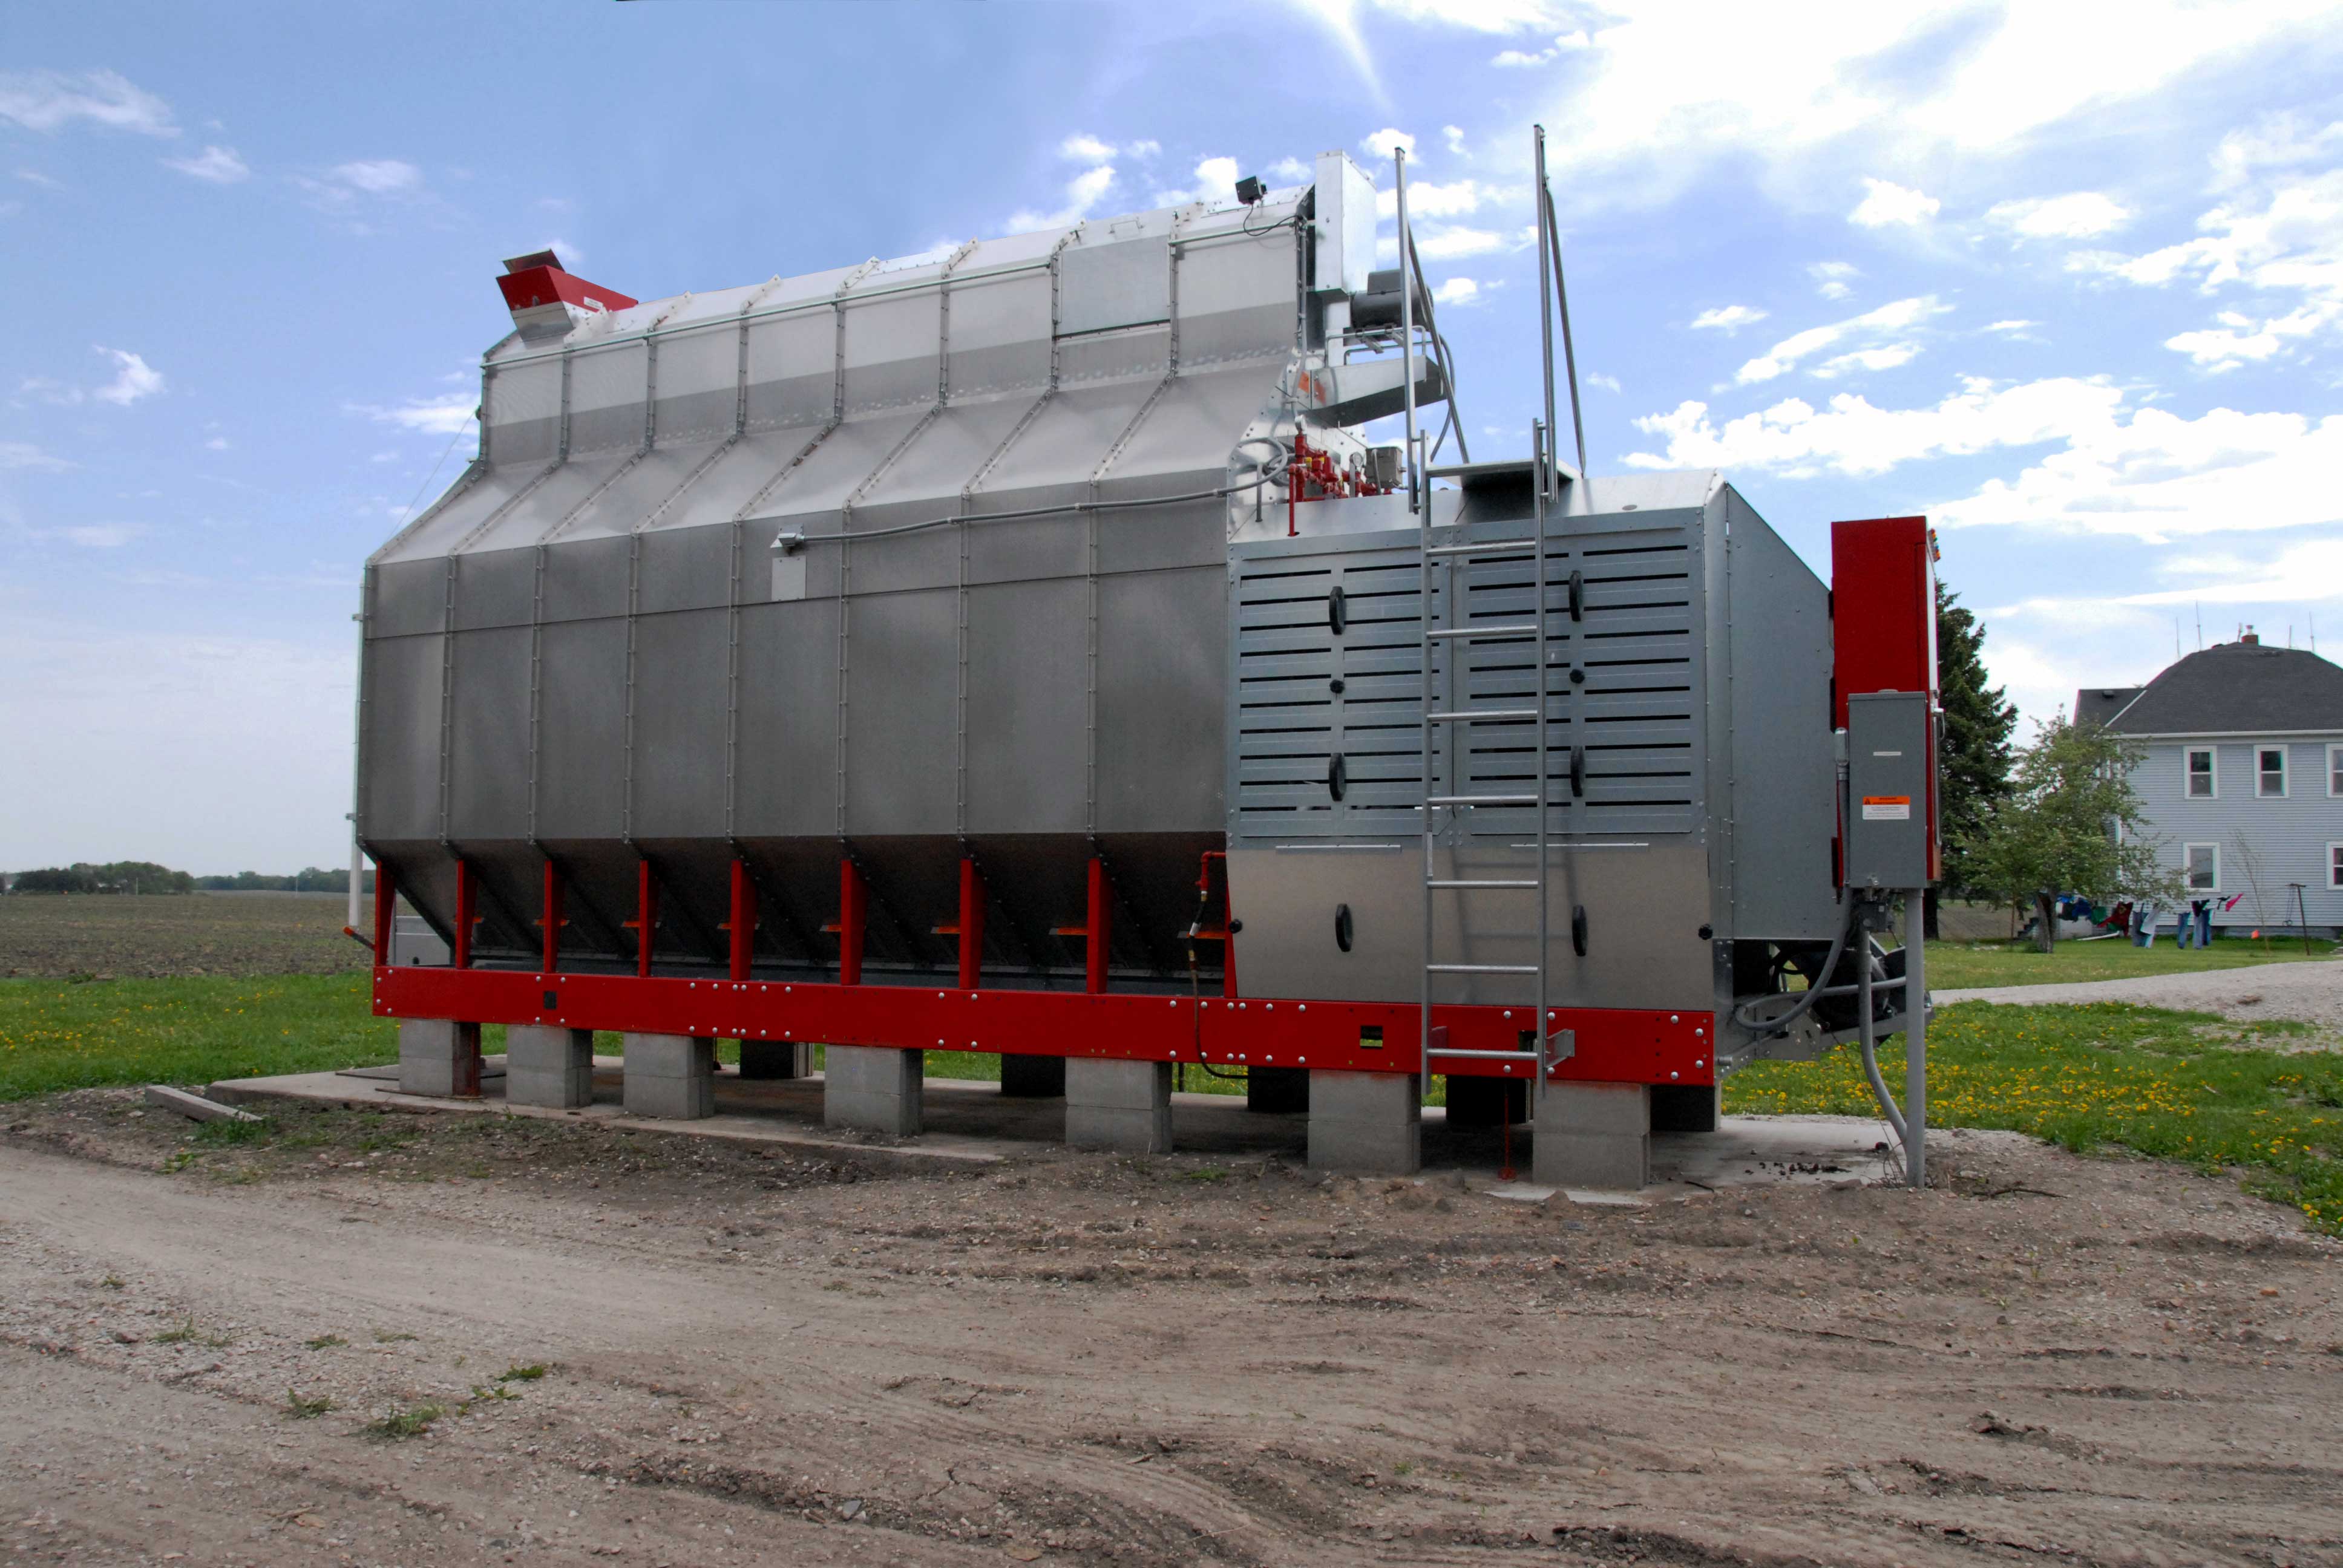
[[1891, 802], [1346, 225]]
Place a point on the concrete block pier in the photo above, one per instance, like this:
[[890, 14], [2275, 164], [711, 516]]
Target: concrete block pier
[[549, 1066], [1593, 1135], [437, 1056], [1365, 1123], [1125, 1105], [874, 1088], [670, 1076]]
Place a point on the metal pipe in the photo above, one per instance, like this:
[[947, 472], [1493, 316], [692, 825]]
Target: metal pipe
[[1545, 314], [1541, 443], [1867, 1032], [1915, 1042], [1270, 475], [1561, 299], [1407, 323]]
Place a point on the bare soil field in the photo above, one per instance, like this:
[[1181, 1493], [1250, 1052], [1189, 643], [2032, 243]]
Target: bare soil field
[[386, 1339], [155, 935]]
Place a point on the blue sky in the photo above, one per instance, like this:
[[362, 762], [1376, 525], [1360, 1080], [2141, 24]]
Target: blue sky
[[2067, 278]]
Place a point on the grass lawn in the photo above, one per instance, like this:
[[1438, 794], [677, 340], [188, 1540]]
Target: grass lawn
[[2177, 1085], [1955, 966]]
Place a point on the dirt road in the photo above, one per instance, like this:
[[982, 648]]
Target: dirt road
[[2311, 991], [1089, 1360]]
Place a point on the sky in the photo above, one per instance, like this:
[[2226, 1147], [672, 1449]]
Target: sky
[[2066, 279]]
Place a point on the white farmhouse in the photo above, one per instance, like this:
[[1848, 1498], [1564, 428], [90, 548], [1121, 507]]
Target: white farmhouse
[[2243, 777]]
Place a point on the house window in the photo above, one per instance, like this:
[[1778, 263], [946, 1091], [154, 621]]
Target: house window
[[2335, 770], [2335, 865], [2201, 785], [2269, 771], [2203, 863]]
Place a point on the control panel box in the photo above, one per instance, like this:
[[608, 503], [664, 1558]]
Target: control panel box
[[1891, 802]]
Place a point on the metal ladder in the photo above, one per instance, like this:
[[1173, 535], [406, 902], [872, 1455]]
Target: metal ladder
[[1459, 718]]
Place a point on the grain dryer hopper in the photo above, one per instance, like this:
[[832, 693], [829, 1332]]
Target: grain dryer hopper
[[1020, 649]]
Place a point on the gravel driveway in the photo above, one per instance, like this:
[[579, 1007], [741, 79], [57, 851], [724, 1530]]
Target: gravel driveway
[[2311, 991]]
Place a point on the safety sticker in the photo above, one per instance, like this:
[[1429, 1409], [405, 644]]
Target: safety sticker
[[1887, 808]]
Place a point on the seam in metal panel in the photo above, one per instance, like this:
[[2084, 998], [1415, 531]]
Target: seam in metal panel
[[732, 690], [943, 322], [756, 502], [447, 690], [634, 602], [535, 680]]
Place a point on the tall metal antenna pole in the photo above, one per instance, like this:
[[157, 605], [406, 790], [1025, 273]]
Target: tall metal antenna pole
[[1423, 599], [1545, 321], [1562, 299]]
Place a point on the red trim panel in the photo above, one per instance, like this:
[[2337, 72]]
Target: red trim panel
[[540, 285], [1614, 1045]]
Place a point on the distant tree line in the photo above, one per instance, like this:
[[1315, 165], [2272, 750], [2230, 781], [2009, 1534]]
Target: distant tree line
[[145, 877]]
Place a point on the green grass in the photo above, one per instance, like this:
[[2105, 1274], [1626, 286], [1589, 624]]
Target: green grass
[[55, 1035], [397, 1424], [2175, 1085], [1955, 966], [301, 1409]]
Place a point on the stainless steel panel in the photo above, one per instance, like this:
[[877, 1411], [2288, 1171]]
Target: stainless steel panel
[[408, 597], [697, 381], [1189, 435], [522, 405], [608, 388], [902, 653], [638, 489], [1160, 708], [488, 764], [495, 587], [788, 758], [538, 508], [1028, 731], [582, 762], [893, 351], [792, 368], [680, 712], [587, 578], [1238, 298], [1104, 283], [684, 568], [1124, 354], [401, 795], [998, 333]]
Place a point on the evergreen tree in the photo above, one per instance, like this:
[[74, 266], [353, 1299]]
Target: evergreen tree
[[1973, 773]]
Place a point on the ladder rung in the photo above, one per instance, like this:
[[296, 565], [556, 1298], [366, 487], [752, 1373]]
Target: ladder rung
[[1469, 882], [1480, 968], [1524, 628], [1485, 547], [1482, 715], [1481, 800]]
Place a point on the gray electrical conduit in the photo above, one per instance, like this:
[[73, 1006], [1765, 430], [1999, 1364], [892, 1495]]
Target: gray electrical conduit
[[1743, 1014], [1868, 1033], [789, 544]]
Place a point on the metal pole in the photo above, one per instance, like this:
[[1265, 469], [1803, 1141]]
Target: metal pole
[[1541, 444], [1562, 299], [1424, 599], [1915, 1042], [1546, 341]]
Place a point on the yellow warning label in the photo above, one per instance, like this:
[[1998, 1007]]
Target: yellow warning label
[[1887, 808]]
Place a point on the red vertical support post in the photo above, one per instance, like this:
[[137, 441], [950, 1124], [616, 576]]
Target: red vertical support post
[[743, 924], [850, 923], [462, 953], [971, 924], [1101, 904], [552, 918], [386, 905], [646, 918]]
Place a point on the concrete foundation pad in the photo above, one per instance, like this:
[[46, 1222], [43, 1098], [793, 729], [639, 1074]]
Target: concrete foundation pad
[[671, 1076], [436, 1056], [1125, 1105], [1365, 1123], [875, 1088]]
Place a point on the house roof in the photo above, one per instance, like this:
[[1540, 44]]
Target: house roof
[[2098, 704], [2230, 689]]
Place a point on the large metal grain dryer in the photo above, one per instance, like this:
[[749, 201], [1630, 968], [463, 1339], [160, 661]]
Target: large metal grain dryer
[[1019, 650]]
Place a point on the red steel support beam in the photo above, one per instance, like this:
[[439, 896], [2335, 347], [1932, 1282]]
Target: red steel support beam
[[462, 953], [743, 923], [850, 900], [1100, 913], [552, 919], [386, 907], [646, 920], [971, 924]]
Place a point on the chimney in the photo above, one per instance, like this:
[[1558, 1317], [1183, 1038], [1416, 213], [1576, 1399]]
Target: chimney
[[546, 302], [2251, 637]]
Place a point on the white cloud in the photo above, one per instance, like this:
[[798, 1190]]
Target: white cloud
[[1083, 192], [1379, 145], [50, 100], [1663, 96], [1146, 147], [379, 176], [1596, 378], [1566, 44], [2280, 141], [25, 454], [2077, 215], [1474, 15], [1292, 172], [216, 444], [134, 378], [1729, 319], [1831, 277], [1455, 244], [1889, 204], [1460, 198], [36, 177], [2011, 325], [1454, 136], [1895, 318], [1456, 291], [1885, 357], [220, 166], [94, 536], [1085, 149], [444, 415]]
